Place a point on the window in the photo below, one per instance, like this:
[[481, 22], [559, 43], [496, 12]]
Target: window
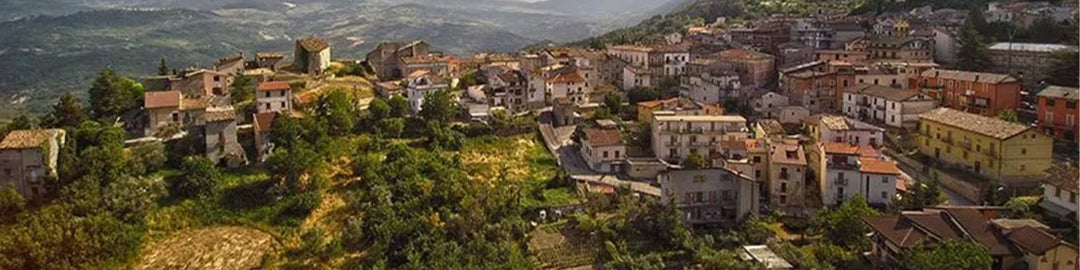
[[1057, 192], [783, 187], [1070, 104], [884, 179], [616, 153], [757, 173], [783, 199], [282, 104], [605, 154], [1050, 102], [884, 195], [1023, 151]]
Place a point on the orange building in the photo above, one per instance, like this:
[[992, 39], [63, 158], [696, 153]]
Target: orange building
[[986, 94], [1057, 112]]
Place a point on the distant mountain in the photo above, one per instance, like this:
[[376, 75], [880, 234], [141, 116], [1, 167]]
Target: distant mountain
[[49, 47]]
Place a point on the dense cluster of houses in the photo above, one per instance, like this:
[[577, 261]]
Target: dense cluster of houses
[[823, 96]]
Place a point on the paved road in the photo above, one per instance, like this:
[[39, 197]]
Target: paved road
[[558, 141], [915, 175]]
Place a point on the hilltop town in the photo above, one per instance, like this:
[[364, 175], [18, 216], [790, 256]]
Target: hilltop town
[[907, 139]]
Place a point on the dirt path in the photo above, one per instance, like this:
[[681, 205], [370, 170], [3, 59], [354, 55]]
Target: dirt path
[[211, 248]]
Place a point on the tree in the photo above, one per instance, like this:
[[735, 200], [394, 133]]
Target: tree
[[1009, 115], [145, 158], [19, 123], [639, 94], [613, 102], [68, 112], [949, 254], [1063, 69], [923, 194], [242, 89], [336, 111], [379, 109], [112, 95], [200, 178], [439, 107], [974, 55], [843, 226], [11, 202], [163, 68], [399, 106], [695, 162], [1023, 207], [391, 127]]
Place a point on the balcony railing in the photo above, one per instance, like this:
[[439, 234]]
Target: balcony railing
[[964, 145]]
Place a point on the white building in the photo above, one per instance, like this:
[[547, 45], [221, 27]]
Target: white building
[[844, 170], [769, 102], [675, 62], [791, 114], [273, 97], [637, 77], [831, 128], [711, 88], [1059, 198], [570, 83], [422, 82], [711, 196], [674, 137], [892, 106], [603, 148]]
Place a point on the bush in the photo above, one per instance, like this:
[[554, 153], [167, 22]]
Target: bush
[[11, 202], [302, 204], [146, 158], [199, 179]]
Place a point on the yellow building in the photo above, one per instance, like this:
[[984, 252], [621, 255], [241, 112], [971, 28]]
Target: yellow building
[[1009, 152]]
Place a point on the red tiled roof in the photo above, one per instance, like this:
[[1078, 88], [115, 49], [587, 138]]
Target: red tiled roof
[[902, 234], [598, 137], [877, 166], [264, 121], [161, 99], [273, 86], [788, 154], [29, 138], [1033, 240], [568, 77], [313, 44], [979, 227], [658, 102]]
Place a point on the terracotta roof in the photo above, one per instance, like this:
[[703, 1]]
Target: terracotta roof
[[938, 223], [568, 77], [598, 137], [1034, 240], [902, 234], [194, 104], [889, 93], [787, 154], [424, 59], [840, 148], [264, 121], [1054, 91], [161, 99], [772, 127], [220, 114], [1064, 177], [742, 54], [989, 126], [979, 228], [968, 76], [273, 86], [877, 166], [29, 138], [313, 44]]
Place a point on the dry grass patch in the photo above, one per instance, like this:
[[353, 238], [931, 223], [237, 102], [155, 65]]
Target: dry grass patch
[[230, 247]]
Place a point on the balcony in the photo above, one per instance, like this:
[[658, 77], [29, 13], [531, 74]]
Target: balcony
[[964, 145]]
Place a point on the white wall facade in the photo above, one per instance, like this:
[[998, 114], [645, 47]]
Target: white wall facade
[[274, 101]]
